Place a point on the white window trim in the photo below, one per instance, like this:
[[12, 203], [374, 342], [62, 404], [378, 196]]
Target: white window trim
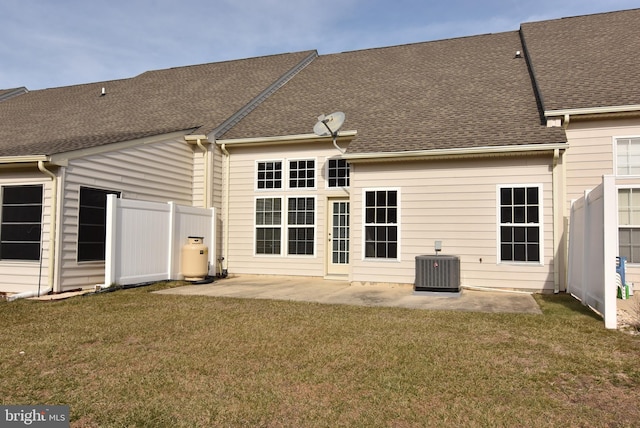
[[618, 225], [281, 225], [45, 195], [540, 187], [287, 170], [282, 179], [315, 227], [398, 224], [326, 175], [120, 193], [614, 143]]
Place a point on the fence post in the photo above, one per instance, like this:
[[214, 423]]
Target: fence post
[[610, 243], [586, 242], [111, 240], [172, 269]]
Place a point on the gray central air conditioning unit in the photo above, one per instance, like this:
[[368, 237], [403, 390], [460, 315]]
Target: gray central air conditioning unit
[[437, 273]]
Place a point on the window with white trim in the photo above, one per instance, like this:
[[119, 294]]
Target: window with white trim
[[520, 228], [92, 221], [628, 156], [301, 226], [21, 225], [629, 224], [337, 173], [269, 175], [268, 226], [381, 224], [302, 174]]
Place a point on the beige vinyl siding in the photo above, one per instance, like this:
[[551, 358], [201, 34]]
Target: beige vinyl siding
[[158, 172], [453, 201], [591, 155], [241, 256], [15, 275], [591, 152]]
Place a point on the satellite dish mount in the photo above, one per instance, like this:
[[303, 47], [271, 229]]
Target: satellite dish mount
[[330, 125]]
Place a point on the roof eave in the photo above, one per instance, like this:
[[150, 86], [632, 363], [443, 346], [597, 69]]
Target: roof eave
[[592, 110], [23, 159], [456, 152]]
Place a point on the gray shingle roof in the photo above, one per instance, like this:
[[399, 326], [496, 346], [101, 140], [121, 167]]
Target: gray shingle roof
[[586, 61], [458, 93], [58, 120]]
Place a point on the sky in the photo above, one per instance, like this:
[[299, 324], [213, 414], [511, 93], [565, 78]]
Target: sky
[[51, 43]]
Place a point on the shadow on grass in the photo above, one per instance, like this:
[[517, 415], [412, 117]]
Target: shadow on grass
[[560, 304]]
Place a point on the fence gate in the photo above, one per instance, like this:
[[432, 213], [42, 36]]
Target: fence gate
[[593, 246]]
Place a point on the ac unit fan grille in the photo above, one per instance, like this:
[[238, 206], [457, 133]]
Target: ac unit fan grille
[[437, 273]]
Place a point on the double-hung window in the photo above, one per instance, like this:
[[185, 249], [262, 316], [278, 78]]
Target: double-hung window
[[92, 220], [629, 224], [21, 222], [268, 226], [301, 225], [628, 156], [381, 224], [520, 216]]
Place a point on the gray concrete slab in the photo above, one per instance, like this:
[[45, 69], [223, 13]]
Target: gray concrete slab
[[341, 292]]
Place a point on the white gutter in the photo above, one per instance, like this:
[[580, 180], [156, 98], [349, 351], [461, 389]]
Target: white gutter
[[418, 154], [27, 294], [52, 227], [592, 110], [557, 219], [23, 159], [285, 139]]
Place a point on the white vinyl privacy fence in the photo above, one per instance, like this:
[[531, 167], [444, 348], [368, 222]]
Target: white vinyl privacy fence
[[593, 247], [144, 239]]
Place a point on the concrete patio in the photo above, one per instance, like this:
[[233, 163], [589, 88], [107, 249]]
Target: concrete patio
[[340, 292]]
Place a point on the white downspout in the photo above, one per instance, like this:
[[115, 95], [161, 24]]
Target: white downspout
[[52, 239], [225, 201], [207, 173], [557, 215]]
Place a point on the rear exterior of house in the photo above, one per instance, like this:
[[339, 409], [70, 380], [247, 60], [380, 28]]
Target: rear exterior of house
[[477, 143], [295, 210], [430, 160]]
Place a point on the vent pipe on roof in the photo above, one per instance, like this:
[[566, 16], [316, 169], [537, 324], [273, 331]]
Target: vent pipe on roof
[[104, 92]]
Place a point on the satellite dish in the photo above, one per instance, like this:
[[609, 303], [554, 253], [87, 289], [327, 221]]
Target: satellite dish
[[330, 125]]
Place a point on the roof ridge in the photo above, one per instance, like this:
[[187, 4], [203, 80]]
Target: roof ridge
[[424, 42], [610, 12], [204, 64], [261, 97]]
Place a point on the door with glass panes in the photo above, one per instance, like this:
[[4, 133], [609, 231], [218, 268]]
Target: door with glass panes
[[338, 237]]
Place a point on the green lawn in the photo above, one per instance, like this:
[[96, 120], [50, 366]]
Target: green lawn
[[133, 358]]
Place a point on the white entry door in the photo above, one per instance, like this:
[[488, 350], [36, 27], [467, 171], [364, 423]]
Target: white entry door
[[338, 239]]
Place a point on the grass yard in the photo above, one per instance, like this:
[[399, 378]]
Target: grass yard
[[132, 358]]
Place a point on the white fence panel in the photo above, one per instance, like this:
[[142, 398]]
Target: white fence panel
[[144, 239], [593, 245]]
